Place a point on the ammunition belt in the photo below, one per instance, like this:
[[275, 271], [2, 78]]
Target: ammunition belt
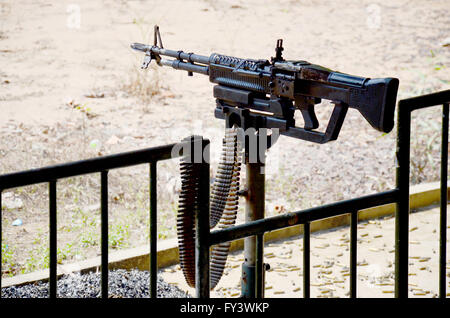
[[223, 207]]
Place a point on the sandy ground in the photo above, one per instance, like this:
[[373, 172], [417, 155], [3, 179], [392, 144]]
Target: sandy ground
[[71, 88], [330, 261], [55, 56]]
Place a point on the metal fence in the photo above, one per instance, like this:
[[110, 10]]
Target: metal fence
[[399, 196], [205, 238], [101, 165]]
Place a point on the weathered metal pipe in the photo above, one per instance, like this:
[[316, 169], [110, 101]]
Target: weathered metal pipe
[[254, 210]]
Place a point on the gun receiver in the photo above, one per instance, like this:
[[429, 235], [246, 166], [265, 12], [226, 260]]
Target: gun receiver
[[265, 94]]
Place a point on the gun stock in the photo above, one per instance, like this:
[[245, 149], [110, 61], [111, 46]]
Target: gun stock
[[379, 108], [374, 98]]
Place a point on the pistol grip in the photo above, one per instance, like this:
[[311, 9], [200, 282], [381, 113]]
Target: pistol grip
[[309, 116]]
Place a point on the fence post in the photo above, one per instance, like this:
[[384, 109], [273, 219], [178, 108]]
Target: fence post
[[306, 260], [104, 232], [1, 243], [443, 212], [52, 240], [153, 268], [353, 253], [202, 223], [254, 210], [402, 205]]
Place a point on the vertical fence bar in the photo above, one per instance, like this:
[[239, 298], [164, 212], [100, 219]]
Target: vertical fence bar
[[353, 253], [1, 243], [306, 260], [53, 239], [259, 275], [202, 227], [104, 233], [402, 206], [443, 216], [153, 231]]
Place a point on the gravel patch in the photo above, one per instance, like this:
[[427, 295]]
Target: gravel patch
[[122, 284]]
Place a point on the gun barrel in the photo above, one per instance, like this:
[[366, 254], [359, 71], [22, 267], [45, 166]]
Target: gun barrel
[[190, 57], [180, 65]]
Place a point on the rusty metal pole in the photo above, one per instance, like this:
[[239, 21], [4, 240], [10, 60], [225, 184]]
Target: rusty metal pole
[[254, 210]]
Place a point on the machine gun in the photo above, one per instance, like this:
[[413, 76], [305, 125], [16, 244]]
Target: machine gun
[[265, 94], [261, 94]]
